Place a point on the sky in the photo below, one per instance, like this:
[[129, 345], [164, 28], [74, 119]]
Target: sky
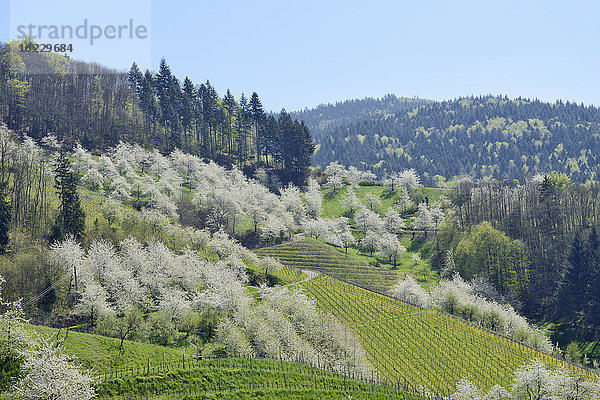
[[299, 54]]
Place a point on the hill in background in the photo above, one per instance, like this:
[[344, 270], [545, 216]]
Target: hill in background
[[481, 136]]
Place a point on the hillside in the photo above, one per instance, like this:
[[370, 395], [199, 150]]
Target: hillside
[[312, 255], [480, 136], [159, 372], [50, 94], [325, 117], [421, 346]]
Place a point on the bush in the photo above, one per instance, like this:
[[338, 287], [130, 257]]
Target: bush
[[572, 352], [161, 330]]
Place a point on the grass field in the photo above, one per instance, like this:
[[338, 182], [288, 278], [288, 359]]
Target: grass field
[[102, 354], [333, 209], [424, 347]]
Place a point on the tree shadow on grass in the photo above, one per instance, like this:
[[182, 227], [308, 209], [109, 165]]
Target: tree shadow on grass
[[388, 194]]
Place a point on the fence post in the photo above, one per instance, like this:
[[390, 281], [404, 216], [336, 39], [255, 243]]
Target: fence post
[[251, 373], [372, 387]]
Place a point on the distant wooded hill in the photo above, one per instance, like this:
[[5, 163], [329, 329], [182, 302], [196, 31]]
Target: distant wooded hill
[[481, 136]]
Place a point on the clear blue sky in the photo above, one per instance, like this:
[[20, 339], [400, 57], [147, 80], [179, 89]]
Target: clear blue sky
[[303, 53]]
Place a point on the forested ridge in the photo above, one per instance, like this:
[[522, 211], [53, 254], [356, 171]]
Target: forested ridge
[[325, 117], [486, 136], [80, 102]]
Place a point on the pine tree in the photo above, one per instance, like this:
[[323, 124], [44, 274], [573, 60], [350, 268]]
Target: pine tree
[[575, 281], [230, 107], [148, 101], [272, 140], [296, 148], [188, 106], [242, 130], [209, 103], [135, 79], [257, 116], [592, 306], [71, 218]]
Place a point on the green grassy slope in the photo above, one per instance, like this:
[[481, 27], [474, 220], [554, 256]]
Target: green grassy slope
[[333, 209], [140, 371], [424, 347], [102, 354]]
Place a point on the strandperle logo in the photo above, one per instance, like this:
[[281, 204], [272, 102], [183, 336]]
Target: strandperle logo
[[83, 31]]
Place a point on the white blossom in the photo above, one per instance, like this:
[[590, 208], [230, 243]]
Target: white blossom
[[313, 198], [393, 221], [349, 200]]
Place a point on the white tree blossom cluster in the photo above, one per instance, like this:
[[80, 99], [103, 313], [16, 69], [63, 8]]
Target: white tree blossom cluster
[[534, 381], [407, 179], [226, 197], [313, 199], [460, 298], [332, 230], [149, 277], [380, 234], [428, 218], [149, 225], [45, 372], [287, 324], [338, 176], [51, 374]]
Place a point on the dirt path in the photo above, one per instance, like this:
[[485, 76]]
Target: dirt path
[[311, 275]]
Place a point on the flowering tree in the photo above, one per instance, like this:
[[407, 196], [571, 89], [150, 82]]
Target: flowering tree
[[53, 375], [316, 227], [369, 242], [335, 182], [291, 200], [409, 179], [273, 229], [349, 200], [93, 179], [437, 216], [423, 218], [389, 246], [372, 201], [354, 176], [534, 381], [313, 198], [344, 233], [410, 291], [335, 175], [393, 179], [367, 220], [393, 221], [404, 200], [46, 373]]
